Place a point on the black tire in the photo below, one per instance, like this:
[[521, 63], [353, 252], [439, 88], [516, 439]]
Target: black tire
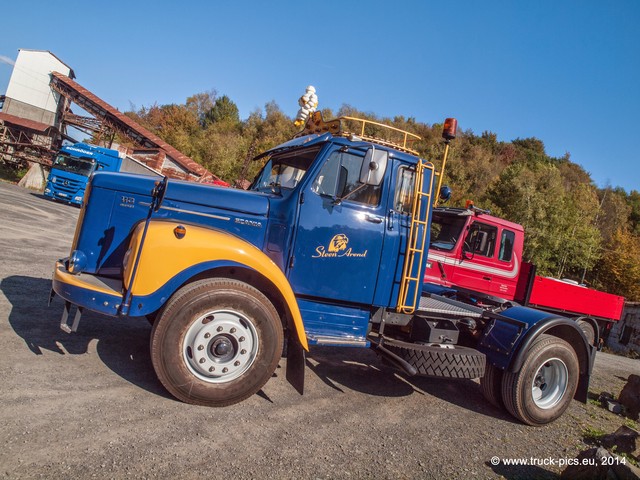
[[588, 331], [216, 343], [550, 370], [434, 361], [491, 385]]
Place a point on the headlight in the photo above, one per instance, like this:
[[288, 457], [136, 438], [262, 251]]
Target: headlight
[[54, 179], [77, 262], [77, 199]]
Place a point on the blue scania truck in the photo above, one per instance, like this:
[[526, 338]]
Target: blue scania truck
[[73, 166], [328, 246]]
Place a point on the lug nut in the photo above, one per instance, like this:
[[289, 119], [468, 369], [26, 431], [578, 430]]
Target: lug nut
[[225, 370], [236, 364], [241, 339], [202, 360], [243, 352], [207, 335], [212, 369], [233, 330], [200, 347], [219, 329]]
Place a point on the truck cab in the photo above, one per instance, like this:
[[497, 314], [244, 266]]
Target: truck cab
[[479, 257], [73, 166], [327, 247], [475, 251]]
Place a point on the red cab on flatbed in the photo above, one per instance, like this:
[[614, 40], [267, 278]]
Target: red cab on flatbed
[[479, 256]]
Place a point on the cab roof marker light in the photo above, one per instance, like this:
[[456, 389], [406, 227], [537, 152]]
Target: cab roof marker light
[[449, 129]]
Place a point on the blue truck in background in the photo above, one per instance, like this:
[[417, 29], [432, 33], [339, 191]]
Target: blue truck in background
[[73, 166], [328, 246]]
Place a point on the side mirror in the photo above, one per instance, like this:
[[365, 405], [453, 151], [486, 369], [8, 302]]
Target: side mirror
[[374, 166]]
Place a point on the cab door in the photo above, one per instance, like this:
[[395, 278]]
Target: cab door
[[476, 266], [340, 233], [504, 279]]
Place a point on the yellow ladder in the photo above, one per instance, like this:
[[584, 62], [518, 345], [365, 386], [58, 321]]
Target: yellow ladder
[[416, 243]]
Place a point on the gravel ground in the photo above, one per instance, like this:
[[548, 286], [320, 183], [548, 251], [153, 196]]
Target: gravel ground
[[89, 405]]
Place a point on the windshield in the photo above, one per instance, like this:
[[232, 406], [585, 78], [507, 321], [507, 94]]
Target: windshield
[[285, 170], [81, 166], [445, 231]]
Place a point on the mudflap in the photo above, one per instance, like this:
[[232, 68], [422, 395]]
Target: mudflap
[[64, 325], [582, 392], [296, 360]]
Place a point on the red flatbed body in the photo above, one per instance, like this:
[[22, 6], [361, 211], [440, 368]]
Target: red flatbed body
[[551, 294]]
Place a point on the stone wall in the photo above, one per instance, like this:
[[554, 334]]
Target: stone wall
[[625, 334]]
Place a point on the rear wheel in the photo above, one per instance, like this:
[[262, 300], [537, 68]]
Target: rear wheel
[[491, 385], [543, 388], [588, 331], [216, 343]]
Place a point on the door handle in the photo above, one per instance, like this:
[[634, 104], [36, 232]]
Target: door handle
[[373, 218], [390, 220], [486, 278]]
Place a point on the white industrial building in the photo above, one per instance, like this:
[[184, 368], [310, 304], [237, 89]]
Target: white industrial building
[[29, 94]]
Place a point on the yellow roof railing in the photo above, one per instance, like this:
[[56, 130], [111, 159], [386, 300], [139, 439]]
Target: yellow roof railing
[[363, 129]]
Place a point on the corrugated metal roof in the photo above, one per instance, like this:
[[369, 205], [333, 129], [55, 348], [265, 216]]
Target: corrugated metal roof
[[24, 123], [115, 116]]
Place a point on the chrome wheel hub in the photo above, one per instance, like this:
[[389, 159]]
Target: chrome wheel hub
[[219, 346], [550, 383]]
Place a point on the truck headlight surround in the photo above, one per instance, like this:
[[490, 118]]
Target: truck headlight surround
[[77, 262]]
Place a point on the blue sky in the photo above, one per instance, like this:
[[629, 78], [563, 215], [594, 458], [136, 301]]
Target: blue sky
[[566, 72]]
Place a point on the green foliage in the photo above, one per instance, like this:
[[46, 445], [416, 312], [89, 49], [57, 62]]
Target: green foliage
[[572, 229], [593, 435], [619, 269], [223, 111], [201, 103], [13, 172], [532, 195]]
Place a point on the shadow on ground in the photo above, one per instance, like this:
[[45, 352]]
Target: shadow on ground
[[521, 472], [361, 370], [124, 348]]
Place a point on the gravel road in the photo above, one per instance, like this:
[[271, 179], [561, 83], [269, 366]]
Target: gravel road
[[89, 405]]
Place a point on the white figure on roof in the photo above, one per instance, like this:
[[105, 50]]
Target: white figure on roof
[[308, 104]]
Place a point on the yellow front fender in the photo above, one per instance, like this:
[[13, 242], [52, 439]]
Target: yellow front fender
[[165, 255]]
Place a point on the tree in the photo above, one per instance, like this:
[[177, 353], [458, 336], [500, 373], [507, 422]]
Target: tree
[[223, 110], [619, 270], [579, 235], [201, 104], [532, 195]]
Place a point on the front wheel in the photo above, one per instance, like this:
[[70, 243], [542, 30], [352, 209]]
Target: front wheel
[[216, 343], [543, 388]]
